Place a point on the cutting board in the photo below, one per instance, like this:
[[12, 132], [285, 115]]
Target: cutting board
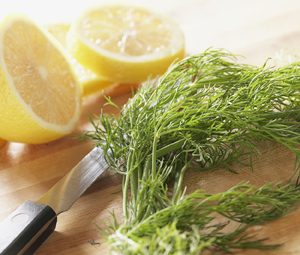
[[255, 29]]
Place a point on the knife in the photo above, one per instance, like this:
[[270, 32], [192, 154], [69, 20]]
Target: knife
[[30, 225]]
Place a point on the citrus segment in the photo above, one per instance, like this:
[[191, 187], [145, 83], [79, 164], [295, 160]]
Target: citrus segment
[[59, 31], [90, 82], [39, 91], [126, 31], [125, 43]]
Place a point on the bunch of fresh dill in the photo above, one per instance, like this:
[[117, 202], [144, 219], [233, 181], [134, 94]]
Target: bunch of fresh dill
[[206, 111]]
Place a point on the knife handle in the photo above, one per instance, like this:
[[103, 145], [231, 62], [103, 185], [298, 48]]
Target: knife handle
[[26, 228]]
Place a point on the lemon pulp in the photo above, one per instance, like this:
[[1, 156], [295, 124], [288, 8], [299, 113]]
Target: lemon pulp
[[126, 31], [124, 43], [39, 91], [38, 71], [90, 82]]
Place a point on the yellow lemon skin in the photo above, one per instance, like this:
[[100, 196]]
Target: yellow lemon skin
[[95, 85]]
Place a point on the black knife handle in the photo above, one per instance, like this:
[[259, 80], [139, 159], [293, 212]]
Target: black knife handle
[[26, 228]]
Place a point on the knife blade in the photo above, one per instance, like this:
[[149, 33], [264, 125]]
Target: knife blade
[[30, 225]]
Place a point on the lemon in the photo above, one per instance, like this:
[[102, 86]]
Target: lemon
[[125, 43], [90, 82], [59, 31], [40, 96]]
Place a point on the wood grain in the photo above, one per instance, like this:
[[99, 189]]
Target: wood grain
[[256, 29]]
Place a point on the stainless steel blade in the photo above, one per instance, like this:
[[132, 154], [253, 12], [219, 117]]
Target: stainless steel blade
[[65, 192]]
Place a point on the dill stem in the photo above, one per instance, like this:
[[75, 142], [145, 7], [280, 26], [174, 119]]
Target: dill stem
[[212, 111], [169, 148], [154, 148], [125, 196], [142, 189], [133, 183], [130, 178], [146, 169], [178, 187]]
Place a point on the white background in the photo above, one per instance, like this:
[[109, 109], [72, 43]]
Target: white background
[[53, 11], [244, 27]]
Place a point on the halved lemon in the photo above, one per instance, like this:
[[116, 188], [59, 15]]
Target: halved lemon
[[125, 43], [40, 96], [59, 31], [90, 82]]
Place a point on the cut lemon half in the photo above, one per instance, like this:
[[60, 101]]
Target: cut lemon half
[[40, 96], [90, 82], [125, 43]]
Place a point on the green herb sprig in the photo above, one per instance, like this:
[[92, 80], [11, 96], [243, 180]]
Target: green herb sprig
[[206, 111], [177, 228]]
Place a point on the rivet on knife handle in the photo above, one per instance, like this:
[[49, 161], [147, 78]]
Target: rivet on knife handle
[[26, 228]]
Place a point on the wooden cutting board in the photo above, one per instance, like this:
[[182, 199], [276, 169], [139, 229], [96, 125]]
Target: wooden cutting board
[[256, 29]]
